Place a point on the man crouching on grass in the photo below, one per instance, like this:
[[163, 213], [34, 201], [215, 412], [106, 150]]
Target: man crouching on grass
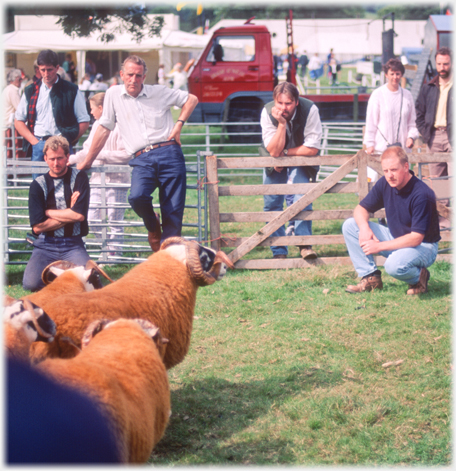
[[410, 241]]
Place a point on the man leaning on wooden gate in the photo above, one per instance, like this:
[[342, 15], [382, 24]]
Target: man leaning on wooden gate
[[290, 126]]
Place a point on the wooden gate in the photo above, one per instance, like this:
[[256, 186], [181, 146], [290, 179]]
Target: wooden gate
[[311, 191]]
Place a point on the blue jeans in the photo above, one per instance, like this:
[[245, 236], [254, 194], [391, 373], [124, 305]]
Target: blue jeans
[[50, 249], [162, 168], [38, 156], [275, 202], [402, 264]]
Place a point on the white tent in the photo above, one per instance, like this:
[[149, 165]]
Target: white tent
[[34, 33], [351, 39]]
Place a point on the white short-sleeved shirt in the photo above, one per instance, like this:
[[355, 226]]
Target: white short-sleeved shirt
[[143, 120], [312, 131]]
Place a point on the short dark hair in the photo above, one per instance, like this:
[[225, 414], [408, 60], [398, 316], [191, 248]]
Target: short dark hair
[[394, 64], [48, 57], [55, 142], [443, 51], [288, 89]]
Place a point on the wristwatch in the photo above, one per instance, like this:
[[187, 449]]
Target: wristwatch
[[285, 151]]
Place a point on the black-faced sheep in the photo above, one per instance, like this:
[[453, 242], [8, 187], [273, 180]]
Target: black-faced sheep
[[120, 369], [161, 290], [23, 324]]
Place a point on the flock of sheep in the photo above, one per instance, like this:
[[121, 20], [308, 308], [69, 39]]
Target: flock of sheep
[[116, 344]]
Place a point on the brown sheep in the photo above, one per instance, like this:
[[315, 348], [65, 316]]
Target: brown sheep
[[23, 324], [121, 370], [161, 290], [64, 277]]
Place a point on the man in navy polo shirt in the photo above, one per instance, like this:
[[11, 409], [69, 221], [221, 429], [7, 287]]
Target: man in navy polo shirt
[[410, 241]]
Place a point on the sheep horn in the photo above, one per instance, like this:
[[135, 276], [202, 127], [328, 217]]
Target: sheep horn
[[48, 277], [201, 277], [92, 265], [172, 240], [30, 307]]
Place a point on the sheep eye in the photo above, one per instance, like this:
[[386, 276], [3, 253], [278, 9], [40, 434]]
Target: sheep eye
[[31, 325]]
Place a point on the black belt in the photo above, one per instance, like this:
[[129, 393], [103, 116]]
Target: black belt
[[155, 146], [44, 138]]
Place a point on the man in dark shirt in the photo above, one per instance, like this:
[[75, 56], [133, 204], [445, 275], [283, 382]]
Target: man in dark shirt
[[410, 241], [58, 206]]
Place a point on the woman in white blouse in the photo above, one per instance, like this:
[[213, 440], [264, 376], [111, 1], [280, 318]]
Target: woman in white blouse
[[390, 114], [113, 153]]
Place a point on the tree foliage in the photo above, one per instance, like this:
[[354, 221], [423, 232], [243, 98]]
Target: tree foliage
[[410, 12], [109, 22]]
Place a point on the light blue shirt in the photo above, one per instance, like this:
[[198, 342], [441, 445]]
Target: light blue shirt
[[45, 122], [143, 120]]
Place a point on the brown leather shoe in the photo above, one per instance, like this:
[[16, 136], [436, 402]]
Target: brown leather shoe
[[306, 252], [368, 283], [422, 286], [155, 237]]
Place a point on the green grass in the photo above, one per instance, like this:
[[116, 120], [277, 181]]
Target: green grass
[[285, 367]]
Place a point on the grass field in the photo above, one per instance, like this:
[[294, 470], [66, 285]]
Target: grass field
[[286, 368]]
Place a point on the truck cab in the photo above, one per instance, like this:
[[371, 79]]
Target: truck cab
[[234, 76]]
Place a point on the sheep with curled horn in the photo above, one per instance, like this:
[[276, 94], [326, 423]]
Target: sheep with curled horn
[[161, 290], [23, 324]]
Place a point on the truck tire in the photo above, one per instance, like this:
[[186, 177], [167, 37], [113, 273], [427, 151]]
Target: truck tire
[[244, 112]]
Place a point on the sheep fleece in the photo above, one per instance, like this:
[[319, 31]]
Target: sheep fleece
[[121, 370], [159, 290]]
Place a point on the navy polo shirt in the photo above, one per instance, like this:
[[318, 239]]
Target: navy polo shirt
[[411, 209]]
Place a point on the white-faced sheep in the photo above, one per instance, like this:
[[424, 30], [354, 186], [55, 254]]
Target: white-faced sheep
[[121, 369], [161, 290], [23, 324]]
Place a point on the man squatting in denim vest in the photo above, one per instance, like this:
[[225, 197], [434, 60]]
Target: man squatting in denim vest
[[150, 136], [58, 206], [290, 126], [50, 106], [410, 241]]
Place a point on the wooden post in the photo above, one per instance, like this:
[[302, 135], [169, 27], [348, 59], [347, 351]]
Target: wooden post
[[363, 183], [213, 200]]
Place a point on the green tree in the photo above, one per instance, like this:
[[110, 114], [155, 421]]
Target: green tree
[[411, 12], [83, 22]]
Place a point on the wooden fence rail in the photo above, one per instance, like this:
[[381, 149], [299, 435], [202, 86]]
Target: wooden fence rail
[[333, 184]]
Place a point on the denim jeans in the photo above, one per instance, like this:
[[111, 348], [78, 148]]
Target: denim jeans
[[162, 168], [275, 202], [50, 249], [402, 264]]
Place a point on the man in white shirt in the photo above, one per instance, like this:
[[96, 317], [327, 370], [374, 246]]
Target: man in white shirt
[[11, 96], [150, 136], [290, 126], [50, 107]]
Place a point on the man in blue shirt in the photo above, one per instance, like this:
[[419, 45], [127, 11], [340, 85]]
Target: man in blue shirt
[[410, 241]]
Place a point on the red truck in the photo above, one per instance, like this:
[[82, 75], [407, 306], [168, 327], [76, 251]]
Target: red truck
[[235, 75]]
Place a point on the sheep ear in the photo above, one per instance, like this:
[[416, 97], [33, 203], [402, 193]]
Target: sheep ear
[[91, 265], [8, 300], [93, 329]]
